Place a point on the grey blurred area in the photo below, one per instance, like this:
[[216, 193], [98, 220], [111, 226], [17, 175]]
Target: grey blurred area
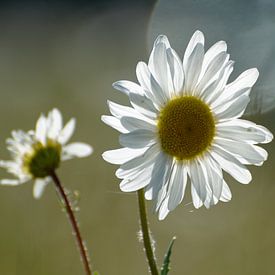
[[67, 55]]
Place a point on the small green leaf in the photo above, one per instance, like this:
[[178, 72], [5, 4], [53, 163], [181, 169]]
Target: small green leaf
[[166, 262], [96, 273]]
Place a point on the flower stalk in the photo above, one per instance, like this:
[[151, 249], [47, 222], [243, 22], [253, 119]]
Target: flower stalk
[[76, 232], [146, 234]]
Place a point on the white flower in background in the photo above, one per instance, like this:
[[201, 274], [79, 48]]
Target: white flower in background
[[185, 123], [36, 154]]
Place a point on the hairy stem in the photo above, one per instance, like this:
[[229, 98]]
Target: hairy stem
[[145, 233], [76, 232]]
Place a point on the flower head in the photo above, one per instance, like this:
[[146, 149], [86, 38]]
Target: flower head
[[184, 123], [36, 154]]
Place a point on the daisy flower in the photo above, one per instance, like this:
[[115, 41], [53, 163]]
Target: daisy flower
[[184, 125], [36, 154]]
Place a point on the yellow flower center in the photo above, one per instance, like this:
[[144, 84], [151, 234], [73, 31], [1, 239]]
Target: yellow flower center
[[186, 127], [43, 160]]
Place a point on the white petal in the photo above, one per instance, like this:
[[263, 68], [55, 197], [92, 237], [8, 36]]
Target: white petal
[[211, 70], [238, 87], [159, 68], [226, 193], [231, 165], [239, 129], [197, 38], [20, 143], [8, 164], [206, 175], [160, 174], [11, 182], [214, 180], [178, 186], [216, 89], [249, 135], [13, 167], [176, 71], [162, 39], [245, 80], [137, 138], [54, 123], [212, 52], [118, 110], [41, 129], [76, 149], [67, 132], [163, 194], [39, 186], [151, 87], [198, 179], [135, 165], [250, 153], [114, 123], [132, 123], [193, 68], [138, 181], [122, 155], [22, 137], [163, 210], [127, 87], [143, 105], [197, 202], [232, 109], [224, 97]]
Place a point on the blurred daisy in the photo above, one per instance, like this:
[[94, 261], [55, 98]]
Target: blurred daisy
[[36, 154], [185, 123]]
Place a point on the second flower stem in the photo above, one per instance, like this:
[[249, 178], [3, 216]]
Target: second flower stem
[[76, 232], [146, 234]]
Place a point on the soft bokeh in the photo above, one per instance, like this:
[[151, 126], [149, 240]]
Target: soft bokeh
[[67, 55]]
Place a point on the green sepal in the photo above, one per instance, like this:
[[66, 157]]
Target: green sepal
[[166, 261]]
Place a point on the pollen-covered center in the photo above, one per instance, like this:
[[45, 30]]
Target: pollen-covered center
[[43, 160], [186, 127]]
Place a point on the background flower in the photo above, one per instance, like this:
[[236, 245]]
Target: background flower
[[36, 154]]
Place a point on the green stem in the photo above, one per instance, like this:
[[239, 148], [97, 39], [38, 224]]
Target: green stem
[[146, 234], [76, 232]]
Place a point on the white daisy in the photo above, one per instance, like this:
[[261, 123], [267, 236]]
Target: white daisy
[[37, 153], [185, 123]]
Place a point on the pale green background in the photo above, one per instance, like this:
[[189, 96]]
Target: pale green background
[[67, 57]]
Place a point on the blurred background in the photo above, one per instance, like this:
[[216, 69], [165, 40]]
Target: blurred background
[[67, 54]]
